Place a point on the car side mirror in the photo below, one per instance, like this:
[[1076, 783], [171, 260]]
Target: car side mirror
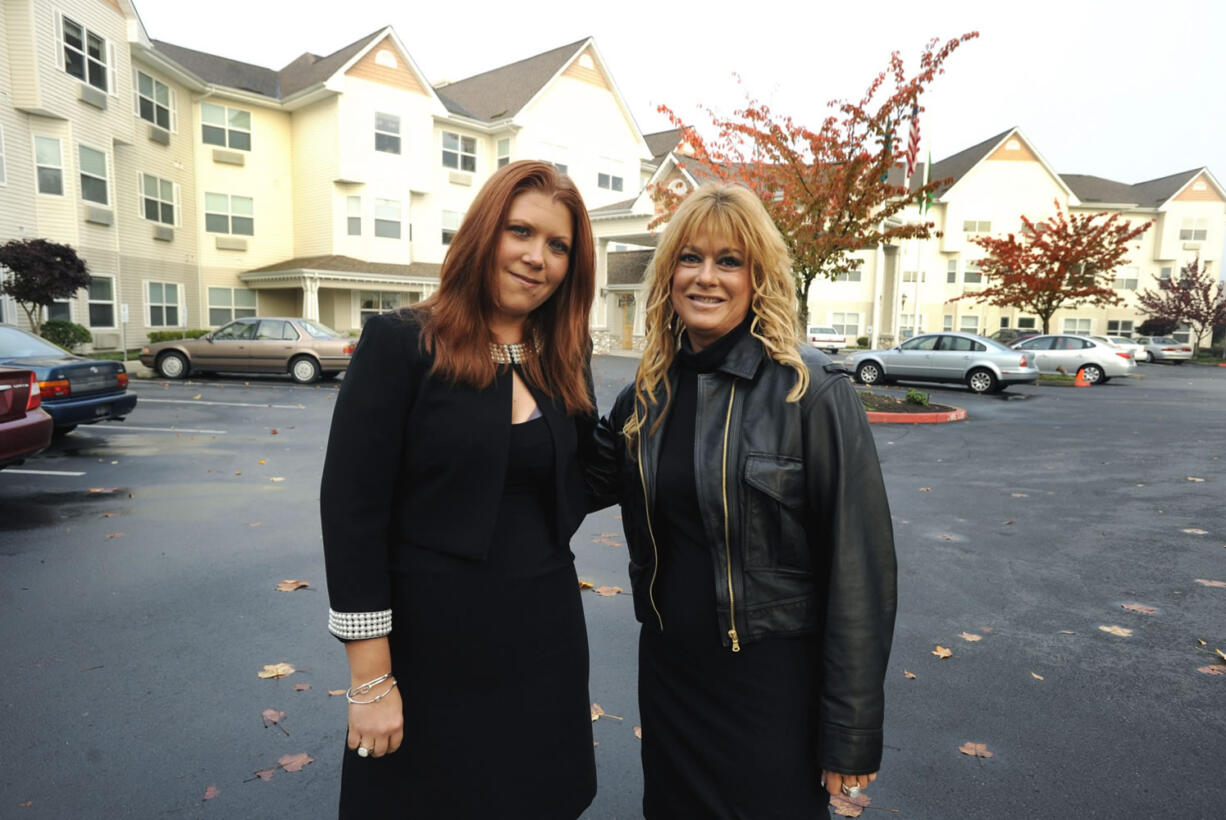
[[208, 337]]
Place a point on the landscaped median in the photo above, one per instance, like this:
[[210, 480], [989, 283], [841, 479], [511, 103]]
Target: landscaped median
[[889, 410]]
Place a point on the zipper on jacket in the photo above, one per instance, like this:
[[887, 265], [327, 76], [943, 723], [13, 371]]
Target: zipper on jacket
[[736, 643], [655, 552]]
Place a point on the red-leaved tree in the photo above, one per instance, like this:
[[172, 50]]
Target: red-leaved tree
[[42, 272], [827, 187], [1065, 261], [1193, 298]]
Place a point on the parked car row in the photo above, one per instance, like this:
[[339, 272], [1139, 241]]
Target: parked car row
[[25, 427]]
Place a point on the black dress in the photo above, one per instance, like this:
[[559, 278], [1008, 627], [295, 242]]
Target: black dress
[[725, 735], [497, 715]]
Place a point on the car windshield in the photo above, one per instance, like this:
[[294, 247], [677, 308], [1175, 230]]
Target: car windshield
[[1167, 340], [319, 331], [17, 344]]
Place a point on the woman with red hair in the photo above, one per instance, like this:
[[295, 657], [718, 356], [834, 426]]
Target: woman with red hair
[[451, 489]]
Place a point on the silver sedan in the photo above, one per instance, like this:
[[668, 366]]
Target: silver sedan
[[1165, 349], [1099, 362], [981, 364]]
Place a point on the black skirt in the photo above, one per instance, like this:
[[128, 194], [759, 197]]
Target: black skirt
[[492, 663]]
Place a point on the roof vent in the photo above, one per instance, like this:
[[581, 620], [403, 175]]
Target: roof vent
[[586, 61], [1013, 145], [386, 58]]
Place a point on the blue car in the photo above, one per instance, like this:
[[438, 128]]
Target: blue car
[[75, 390]]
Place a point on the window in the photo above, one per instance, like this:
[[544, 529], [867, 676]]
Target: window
[[101, 301], [1004, 321], [1126, 278], [229, 214], [1027, 323], [153, 101], [387, 133], [49, 163], [85, 54], [951, 271], [459, 152], [1119, 327], [925, 343], [158, 198], [451, 224], [386, 58], [277, 330], [847, 324], [1077, 327], [906, 324], [947, 322], [228, 304], [163, 301], [972, 275], [387, 218], [1183, 334], [968, 324], [852, 275], [1164, 275], [610, 175], [3, 171], [1194, 229], [93, 175], [373, 302], [977, 226], [227, 127], [60, 309], [555, 154], [959, 344], [353, 206], [909, 276], [504, 151]]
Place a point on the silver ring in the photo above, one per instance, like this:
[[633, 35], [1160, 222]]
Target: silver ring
[[363, 751], [851, 791]]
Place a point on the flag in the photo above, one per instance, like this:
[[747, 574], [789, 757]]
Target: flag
[[913, 141], [887, 147], [925, 201]]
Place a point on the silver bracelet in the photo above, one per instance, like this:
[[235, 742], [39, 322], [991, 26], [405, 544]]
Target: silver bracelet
[[364, 689]]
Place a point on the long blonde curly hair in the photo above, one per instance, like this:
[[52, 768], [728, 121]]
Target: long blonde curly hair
[[734, 213]]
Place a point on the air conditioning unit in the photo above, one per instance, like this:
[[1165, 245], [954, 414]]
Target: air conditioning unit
[[106, 340]]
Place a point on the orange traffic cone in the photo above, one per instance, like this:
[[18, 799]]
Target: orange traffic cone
[[1080, 380]]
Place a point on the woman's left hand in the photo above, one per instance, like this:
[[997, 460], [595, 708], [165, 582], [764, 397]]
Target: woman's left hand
[[835, 782]]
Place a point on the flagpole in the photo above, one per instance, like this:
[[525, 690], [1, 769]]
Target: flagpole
[[919, 207]]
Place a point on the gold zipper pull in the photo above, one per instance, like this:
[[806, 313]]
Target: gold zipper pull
[[736, 643]]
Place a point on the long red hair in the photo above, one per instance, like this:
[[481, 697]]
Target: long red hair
[[455, 320]]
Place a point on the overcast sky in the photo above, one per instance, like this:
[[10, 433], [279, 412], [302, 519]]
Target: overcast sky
[[1122, 90]]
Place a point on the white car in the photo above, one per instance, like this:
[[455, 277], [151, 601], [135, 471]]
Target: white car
[[826, 338], [1138, 351], [1098, 362]]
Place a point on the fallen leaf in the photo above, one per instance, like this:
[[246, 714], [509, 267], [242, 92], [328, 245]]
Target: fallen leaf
[[925, 489], [1037, 676], [1067, 632], [985, 629], [1007, 522], [265, 774], [942, 652], [115, 535], [273, 431], [261, 461], [1119, 631], [277, 670], [1197, 479], [254, 523], [26, 804], [100, 490], [198, 395], [238, 472], [1213, 669], [608, 542], [272, 716], [107, 515], [276, 478], [301, 687], [337, 692], [1208, 583], [845, 806], [1220, 654], [638, 732], [908, 675], [1140, 608], [1194, 531], [607, 591], [967, 636], [975, 749], [294, 763], [1020, 495], [584, 584], [211, 792], [1202, 643], [289, 585], [598, 712]]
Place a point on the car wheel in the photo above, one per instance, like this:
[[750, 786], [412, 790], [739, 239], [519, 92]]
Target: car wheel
[[868, 373], [1092, 373], [329, 375], [304, 369], [173, 365], [980, 380], [59, 432]]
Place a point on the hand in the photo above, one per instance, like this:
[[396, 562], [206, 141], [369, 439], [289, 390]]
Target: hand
[[834, 782], [377, 726]]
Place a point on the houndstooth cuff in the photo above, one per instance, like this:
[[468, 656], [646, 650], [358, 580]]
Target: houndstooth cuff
[[359, 626]]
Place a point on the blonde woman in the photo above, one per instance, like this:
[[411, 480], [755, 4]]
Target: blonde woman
[[761, 548]]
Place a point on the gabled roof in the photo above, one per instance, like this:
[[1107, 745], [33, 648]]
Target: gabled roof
[[1092, 189], [1156, 192], [617, 207], [310, 69], [627, 267], [662, 142], [348, 264], [502, 92], [955, 166], [223, 71]]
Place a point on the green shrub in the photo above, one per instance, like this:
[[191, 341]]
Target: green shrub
[[65, 334], [862, 341], [916, 397], [156, 336]]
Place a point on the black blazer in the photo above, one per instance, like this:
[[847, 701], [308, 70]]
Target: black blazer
[[414, 461]]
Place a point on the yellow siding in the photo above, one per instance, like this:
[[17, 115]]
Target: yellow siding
[[1014, 150], [20, 40], [315, 150], [1200, 190], [399, 77], [576, 70]]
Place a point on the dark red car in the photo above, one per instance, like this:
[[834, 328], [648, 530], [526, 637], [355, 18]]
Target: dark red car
[[25, 427]]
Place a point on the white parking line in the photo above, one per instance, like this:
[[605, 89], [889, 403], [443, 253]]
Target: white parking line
[[166, 429], [222, 403], [39, 472]]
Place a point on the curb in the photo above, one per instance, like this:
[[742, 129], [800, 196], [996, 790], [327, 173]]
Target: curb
[[880, 417]]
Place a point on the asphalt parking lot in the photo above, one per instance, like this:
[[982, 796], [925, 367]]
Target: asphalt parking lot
[[138, 602]]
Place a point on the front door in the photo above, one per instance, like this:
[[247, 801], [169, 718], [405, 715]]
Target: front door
[[627, 303]]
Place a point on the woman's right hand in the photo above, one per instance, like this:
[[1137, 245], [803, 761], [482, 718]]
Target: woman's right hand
[[378, 727]]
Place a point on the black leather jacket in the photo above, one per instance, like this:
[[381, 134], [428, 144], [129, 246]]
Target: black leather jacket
[[794, 508]]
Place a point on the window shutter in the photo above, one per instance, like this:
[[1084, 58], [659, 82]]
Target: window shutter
[[140, 200], [135, 96], [112, 69], [59, 40], [174, 111], [178, 206]]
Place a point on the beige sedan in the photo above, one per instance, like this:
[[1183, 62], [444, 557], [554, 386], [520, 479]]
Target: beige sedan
[[304, 348]]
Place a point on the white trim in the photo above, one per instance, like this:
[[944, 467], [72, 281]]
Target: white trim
[[171, 124], [34, 138], [106, 161], [157, 197], [3, 161], [148, 303], [113, 302]]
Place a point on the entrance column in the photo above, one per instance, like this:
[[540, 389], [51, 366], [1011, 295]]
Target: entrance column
[[310, 298]]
